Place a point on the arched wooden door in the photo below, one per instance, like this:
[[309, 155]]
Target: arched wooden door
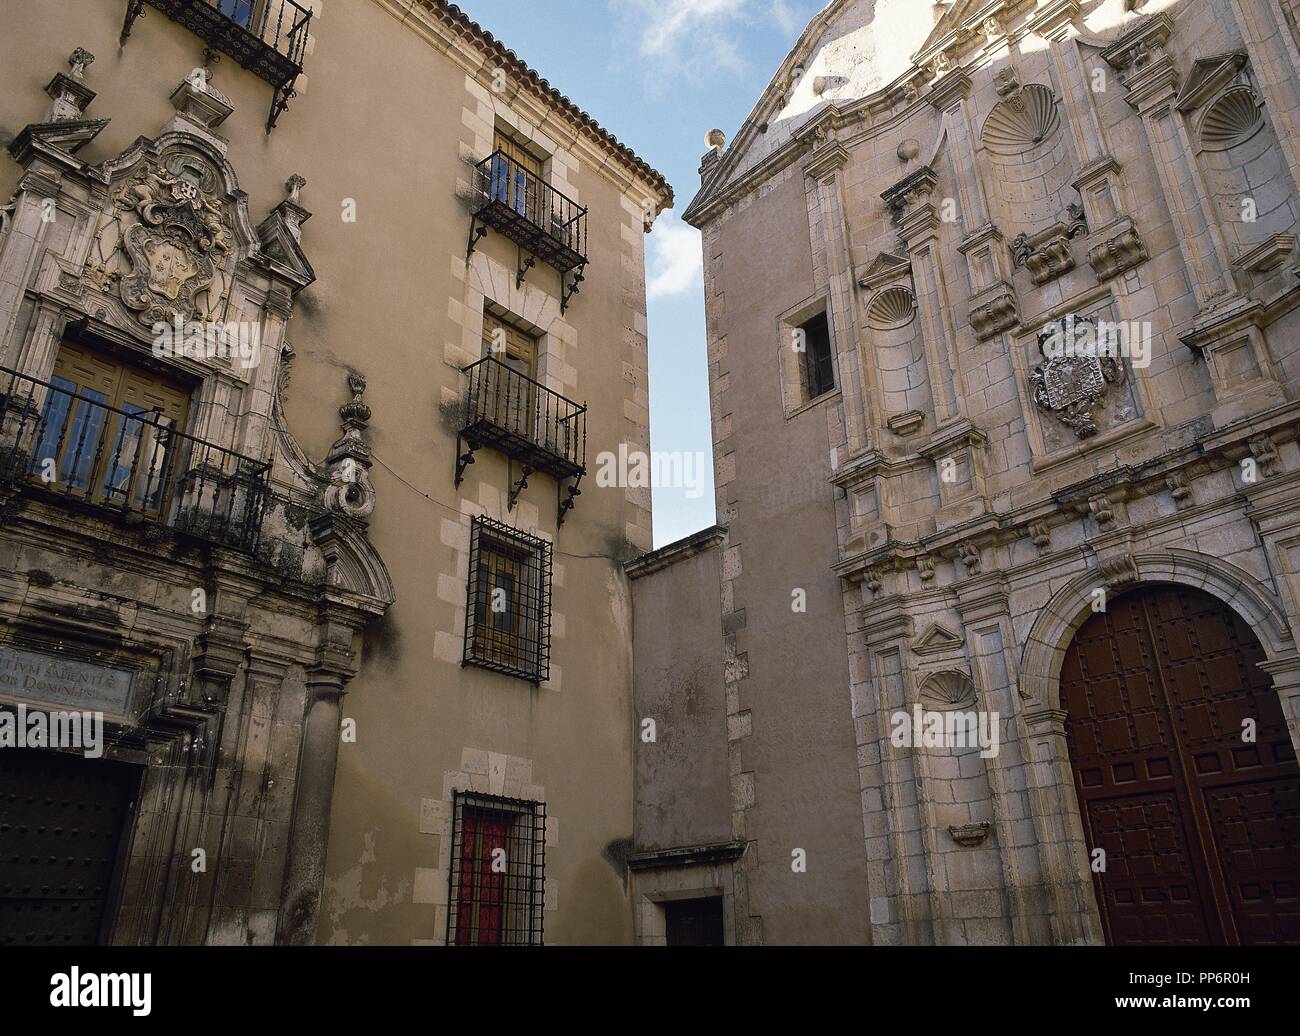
[[1201, 829]]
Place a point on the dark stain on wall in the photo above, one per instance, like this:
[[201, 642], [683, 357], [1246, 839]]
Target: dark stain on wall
[[616, 854], [382, 641]]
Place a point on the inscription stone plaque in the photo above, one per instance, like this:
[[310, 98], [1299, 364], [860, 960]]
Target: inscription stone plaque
[[64, 683]]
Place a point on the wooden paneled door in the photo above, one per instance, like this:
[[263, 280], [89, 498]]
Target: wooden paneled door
[[62, 819], [513, 400], [1200, 826]]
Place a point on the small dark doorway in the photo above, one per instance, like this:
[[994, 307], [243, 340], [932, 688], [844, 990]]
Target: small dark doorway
[[694, 922], [61, 823]]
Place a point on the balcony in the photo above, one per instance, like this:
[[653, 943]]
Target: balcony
[[57, 443], [523, 207], [267, 37], [523, 419]]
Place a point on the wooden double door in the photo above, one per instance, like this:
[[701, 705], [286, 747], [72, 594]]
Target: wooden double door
[[1186, 776], [62, 820]]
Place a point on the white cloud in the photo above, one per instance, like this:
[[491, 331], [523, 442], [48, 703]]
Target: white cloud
[[787, 20], [676, 264], [701, 36], [667, 22]]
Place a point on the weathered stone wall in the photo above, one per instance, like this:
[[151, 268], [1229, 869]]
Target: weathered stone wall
[[1054, 160]]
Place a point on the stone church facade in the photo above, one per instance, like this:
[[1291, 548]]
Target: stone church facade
[[328, 580], [936, 502]]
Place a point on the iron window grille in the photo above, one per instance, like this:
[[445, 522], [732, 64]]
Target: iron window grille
[[818, 363], [517, 203], [56, 440], [508, 615], [497, 873], [267, 37]]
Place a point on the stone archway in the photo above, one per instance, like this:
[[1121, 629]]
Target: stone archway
[[1058, 823], [1185, 774]]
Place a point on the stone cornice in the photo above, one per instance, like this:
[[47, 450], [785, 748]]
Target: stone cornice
[[1209, 452], [1052, 20], [953, 86], [828, 158], [686, 856], [683, 549]]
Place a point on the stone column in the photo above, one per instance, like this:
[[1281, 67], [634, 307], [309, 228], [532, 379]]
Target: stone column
[[897, 858], [1063, 847], [949, 97], [858, 386], [918, 225], [309, 829], [1149, 75], [1099, 182], [47, 151], [23, 244], [1276, 62], [986, 618]]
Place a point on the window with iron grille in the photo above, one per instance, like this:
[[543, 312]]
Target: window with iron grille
[[819, 367], [498, 871], [508, 618]]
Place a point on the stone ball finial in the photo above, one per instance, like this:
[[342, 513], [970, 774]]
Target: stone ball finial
[[909, 149], [715, 139]]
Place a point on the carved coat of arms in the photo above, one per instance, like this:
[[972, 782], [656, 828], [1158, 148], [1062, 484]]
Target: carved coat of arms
[[1071, 381], [173, 246]]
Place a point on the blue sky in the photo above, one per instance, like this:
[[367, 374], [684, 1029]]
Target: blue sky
[[659, 74]]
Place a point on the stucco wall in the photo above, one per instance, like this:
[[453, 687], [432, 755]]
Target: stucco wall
[[386, 120], [681, 775]]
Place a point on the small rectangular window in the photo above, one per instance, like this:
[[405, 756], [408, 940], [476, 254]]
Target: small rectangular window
[[819, 367], [497, 876], [508, 615]]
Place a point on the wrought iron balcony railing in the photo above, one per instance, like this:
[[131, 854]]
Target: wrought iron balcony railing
[[519, 204], [56, 440], [267, 37], [523, 419]]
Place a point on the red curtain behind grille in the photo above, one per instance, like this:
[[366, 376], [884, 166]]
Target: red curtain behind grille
[[480, 905]]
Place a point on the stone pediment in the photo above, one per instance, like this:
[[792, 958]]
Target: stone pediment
[[884, 269], [935, 639], [1207, 77]]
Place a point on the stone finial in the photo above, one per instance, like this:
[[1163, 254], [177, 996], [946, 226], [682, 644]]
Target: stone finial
[[355, 413], [69, 95], [350, 492], [79, 60], [294, 186]]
